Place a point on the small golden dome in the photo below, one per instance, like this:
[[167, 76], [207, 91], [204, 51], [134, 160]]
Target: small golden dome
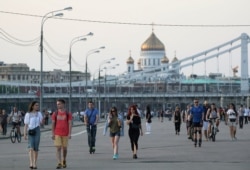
[[130, 60], [152, 44], [164, 59], [174, 59]]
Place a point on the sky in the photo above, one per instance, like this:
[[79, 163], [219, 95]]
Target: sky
[[109, 19]]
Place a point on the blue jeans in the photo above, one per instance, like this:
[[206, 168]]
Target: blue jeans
[[34, 141], [91, 131]]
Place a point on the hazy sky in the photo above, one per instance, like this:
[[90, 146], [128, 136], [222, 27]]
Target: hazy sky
[[120, 39]]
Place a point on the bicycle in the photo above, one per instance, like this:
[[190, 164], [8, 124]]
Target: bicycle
[[213, 129], [15, 135]]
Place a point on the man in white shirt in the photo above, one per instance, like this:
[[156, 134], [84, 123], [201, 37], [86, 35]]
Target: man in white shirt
[[16, 118]]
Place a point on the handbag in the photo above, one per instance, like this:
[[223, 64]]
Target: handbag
[[32, 132]]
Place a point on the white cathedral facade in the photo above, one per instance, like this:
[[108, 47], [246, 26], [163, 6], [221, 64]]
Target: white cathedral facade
[[153, 58]]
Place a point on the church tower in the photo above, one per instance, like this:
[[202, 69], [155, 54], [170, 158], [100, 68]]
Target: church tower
[[152, 51], [130, 64]]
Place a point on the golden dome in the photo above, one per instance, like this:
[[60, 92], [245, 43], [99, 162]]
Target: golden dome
[[130, 60], [164, 59], [152, 44]]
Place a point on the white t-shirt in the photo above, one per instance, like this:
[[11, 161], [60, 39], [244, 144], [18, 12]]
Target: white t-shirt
[[246, 113], [82, 113], [33, 120], [16, 116], [231, 114]]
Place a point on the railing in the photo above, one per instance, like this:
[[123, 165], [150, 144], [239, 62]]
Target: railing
[[123, 95]]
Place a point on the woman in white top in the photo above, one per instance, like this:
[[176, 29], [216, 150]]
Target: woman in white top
[[213, 115], [232, 120], [32, 121]]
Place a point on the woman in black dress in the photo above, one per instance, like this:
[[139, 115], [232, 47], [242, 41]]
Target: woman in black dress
[[135, 128]]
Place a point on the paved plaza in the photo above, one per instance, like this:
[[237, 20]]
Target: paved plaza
[[161, 149]]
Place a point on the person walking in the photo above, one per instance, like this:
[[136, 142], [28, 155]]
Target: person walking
[[241, 112], [1, 128], [246, 114], [32, 122], [148, 120], [46, 117], [4, 122], [232, 121], [114, 123], [177, 120], [91, 118], [206, 107], [188, 121], [61, 132], [135, 128], [197, 114]]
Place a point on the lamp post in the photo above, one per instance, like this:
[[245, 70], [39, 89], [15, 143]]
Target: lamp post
[[73, 41], [45, 17], [99, 78], [105, 80], [96, 50]]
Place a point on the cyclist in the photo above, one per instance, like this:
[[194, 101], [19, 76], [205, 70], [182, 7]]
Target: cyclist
[[16, 118], [213, 114]]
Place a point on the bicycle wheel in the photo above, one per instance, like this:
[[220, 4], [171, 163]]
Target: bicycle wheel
[[19, 137], [12, 136]]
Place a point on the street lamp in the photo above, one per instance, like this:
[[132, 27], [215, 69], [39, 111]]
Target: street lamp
[[73, 41], [45, 17], [96, 50], [105, 80], [99, 77]]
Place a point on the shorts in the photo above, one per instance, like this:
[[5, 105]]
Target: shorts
[[61, 141], [189, 124], [197, 124], [16, 124], [205, 125], [114, 134], [232, 124]]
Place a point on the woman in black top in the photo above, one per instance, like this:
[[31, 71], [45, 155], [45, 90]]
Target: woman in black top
[[135, 128], [177, 120], [148, 120]]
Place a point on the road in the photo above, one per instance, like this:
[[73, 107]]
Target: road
[[162, 149]]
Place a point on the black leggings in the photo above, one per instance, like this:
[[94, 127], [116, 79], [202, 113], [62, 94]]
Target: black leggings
[[134, 137], [177, 126]]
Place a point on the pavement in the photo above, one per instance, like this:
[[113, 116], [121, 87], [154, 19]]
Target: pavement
[[161, 150]]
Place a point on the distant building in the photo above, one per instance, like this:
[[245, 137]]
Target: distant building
[[21, 73]]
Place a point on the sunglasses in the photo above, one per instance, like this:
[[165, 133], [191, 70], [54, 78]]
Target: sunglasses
[[112, 110], [196, 102]]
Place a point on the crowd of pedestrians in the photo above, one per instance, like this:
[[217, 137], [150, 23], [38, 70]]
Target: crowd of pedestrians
[[198, 117]]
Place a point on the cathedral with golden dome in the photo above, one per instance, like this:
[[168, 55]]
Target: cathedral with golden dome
[[152, 56]]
